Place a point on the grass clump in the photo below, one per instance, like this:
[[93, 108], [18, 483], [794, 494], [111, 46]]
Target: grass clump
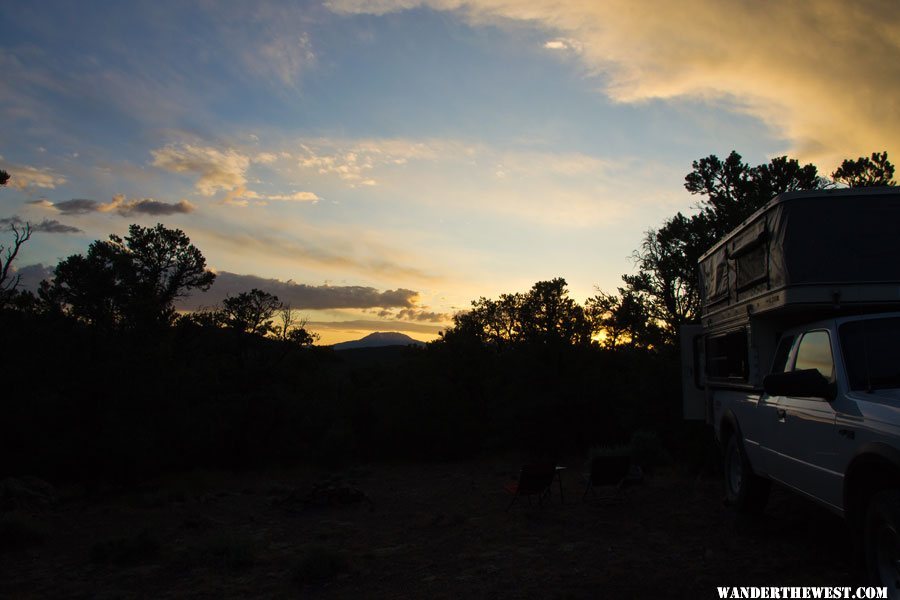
[[227, 551], [18, 532], [127, 551], [320, 565]]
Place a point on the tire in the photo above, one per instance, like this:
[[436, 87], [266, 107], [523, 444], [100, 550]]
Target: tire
[[881, 541], [744, 489]]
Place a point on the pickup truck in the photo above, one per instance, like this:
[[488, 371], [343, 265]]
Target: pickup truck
[[797, 361]]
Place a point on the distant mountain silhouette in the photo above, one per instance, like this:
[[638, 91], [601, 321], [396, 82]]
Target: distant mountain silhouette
[[380, 339]]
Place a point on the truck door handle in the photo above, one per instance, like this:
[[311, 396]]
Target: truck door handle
[[782, 414]]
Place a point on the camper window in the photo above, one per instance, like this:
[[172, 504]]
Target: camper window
[[750, 267], [726, 356]]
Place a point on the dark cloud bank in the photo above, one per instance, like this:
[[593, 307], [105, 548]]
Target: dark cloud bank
[[299, 295], [119, 205], [45, 226]]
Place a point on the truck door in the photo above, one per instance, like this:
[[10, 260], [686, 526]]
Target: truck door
[[804, 443], [769, 426]]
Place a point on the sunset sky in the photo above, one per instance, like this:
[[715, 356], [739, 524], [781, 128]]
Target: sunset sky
[[381, 163]]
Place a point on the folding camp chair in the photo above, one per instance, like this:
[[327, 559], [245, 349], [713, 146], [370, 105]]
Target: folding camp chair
[[534, 480], [607, 471]]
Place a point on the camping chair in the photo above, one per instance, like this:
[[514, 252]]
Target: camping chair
[[534, 480], [607, 471]]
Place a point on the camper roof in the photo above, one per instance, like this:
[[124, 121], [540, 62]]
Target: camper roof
[[789, 196], [821, 250]]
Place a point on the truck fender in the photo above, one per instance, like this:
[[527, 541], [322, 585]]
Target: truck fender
[[874, 467], [729, 421]]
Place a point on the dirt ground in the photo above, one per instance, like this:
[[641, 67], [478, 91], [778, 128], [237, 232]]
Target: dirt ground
[[423, 531]]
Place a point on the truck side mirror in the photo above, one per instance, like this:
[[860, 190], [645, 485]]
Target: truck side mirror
[[805, 383]]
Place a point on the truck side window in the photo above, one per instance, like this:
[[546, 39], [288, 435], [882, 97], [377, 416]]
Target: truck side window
[[783, 353], [814, 352], [871, 353]]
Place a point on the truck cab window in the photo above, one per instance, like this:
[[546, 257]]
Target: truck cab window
[[814, 352]]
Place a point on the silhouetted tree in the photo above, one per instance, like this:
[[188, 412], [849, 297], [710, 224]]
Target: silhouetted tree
[[731, 191], [204, 317], [863, 172], [129, 283], [493, 322], [21, 234], [622, 319], [545, 315], [251, 311], [549, 316], [301, 337], [8, 283], [666, 279], [292, 329]]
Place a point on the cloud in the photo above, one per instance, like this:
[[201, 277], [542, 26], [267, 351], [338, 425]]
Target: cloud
[[265, 157], [355, 161], [416, 314], [295, 197], [45, 226], [301, 296], [335, 252], [284, 57], [369, 326], [268, 40], [119, 205], [217, 170], [76, 206], [824, 75], [563, 44], [223, 170], [24, 177], [242, 197], [31, 276]]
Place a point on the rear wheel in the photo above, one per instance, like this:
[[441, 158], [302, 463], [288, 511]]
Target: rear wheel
[[744, 489], [882, 541]]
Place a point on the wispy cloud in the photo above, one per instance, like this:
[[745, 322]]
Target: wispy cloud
[[357, 162], [224, 169], [119, 205], [23, 177], [241, 196], [325, 252], [216, 169], [830, 100], [268, 41], [285, 57]]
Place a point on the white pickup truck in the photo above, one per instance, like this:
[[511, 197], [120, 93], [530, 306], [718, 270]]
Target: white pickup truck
[[796, 362]]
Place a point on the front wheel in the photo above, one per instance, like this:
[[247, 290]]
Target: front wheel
[[744, 489], [882, 542]]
